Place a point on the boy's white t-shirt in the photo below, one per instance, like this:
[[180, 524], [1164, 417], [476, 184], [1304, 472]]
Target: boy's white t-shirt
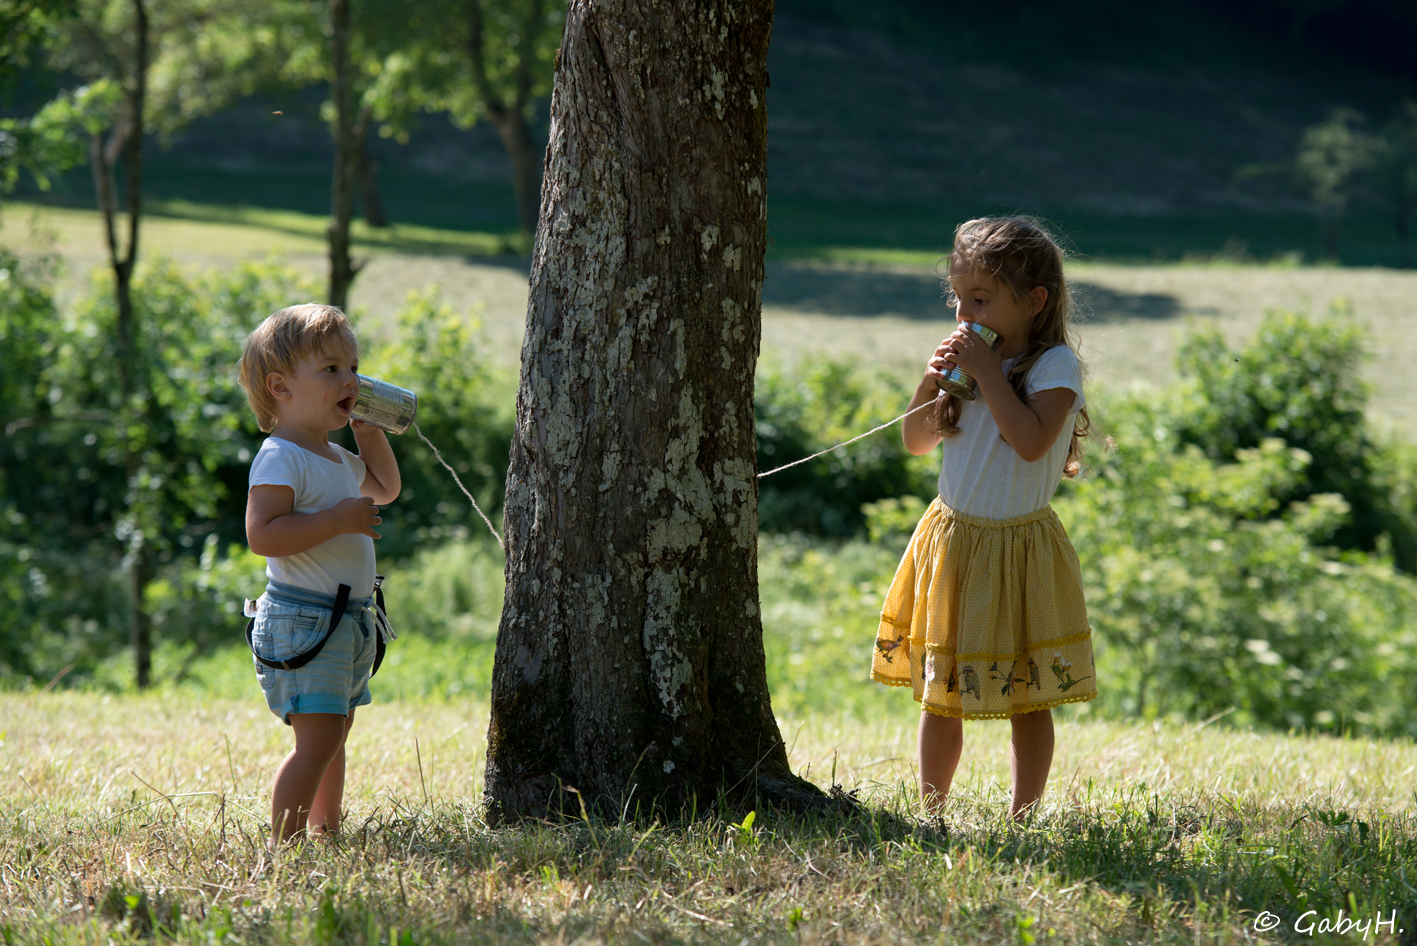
[[319, 484], [983, 476]]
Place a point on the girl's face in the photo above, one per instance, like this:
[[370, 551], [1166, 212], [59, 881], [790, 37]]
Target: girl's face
[[981, 298]]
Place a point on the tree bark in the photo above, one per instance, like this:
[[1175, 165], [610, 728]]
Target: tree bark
[[629, 663], [369, 197], [346, 138]]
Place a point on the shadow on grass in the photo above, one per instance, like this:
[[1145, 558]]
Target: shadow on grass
[[1093, 303], [862, 291], [1123, 866], [859, 291]]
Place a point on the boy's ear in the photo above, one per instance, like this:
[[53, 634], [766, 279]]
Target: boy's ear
[[277, 387]]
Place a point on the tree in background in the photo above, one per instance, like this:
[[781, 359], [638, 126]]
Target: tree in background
[[145, 73], [630, 662], [491, 60], [1332, 157], [356, 47], [1397, 173]]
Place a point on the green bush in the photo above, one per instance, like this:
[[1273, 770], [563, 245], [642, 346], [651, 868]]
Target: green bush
[[1207, 594], [64, 534], [810, 407], [70, 509], [1297, 381], [465, 410]]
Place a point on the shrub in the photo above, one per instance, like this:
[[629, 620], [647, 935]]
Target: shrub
[[1207, 593], [1297, 381], [463, 408], [71, 509], [810, 407]]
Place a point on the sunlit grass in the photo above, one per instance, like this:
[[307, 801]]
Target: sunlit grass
[[125, 813], [185, 228]]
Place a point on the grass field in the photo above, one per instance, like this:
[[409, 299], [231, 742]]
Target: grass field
[[125, 814], [853, 302]]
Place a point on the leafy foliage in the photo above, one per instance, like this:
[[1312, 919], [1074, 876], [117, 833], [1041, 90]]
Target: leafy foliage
[[463, 408], [808, 408], [63, 535], [1298, 382], [68, 530], [1207, 595]]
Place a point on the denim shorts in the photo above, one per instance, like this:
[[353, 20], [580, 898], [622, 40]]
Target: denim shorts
[[290, 621]]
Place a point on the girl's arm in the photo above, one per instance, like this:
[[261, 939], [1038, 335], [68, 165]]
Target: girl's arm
[[381, 471], [274, 529], [1031, 427], [915, 431]]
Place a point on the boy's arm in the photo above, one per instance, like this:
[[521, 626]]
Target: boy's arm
[[274, 529], [381, 470]]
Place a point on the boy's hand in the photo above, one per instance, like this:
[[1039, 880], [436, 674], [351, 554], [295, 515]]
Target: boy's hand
[[357, 515]]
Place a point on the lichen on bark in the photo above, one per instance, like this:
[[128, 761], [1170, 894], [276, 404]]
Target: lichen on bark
[[629, 662]]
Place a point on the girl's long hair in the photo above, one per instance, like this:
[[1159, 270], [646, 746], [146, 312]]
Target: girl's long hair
[[1021, 254]]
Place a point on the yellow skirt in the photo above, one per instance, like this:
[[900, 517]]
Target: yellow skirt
[[985, 617]]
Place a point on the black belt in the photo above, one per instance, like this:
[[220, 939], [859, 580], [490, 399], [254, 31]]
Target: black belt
[[336, 616]]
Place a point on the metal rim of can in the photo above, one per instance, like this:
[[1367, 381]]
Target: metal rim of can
[[957, 383], [990, 337]]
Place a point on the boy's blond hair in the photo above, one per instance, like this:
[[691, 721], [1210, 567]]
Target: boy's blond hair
[[280, 342]]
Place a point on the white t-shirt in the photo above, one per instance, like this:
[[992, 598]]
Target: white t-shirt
[[319, 484], [983, 476]]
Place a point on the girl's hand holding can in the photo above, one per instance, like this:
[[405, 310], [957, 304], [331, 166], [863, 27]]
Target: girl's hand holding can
[[936, 367], [967, 351]]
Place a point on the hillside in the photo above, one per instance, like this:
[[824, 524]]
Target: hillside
[[888, 123]]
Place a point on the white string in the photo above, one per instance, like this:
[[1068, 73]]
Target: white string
[[490, 528], [785, 466], [845, 442]]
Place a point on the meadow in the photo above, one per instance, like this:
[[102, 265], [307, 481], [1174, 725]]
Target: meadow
[[133, 818], [128, 817], [880, 307]]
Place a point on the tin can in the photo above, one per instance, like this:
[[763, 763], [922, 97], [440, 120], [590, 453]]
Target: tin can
[[955, 381], [384, 405]]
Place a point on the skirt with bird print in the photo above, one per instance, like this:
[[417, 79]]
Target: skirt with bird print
[[985, 617]]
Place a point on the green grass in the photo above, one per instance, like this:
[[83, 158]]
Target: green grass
[[127, 814], [122, 815]]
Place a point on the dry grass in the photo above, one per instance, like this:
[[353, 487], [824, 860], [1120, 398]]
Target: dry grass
[[125, 814]]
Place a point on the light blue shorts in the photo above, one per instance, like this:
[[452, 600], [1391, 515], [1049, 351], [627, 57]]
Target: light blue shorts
[[290, 621]]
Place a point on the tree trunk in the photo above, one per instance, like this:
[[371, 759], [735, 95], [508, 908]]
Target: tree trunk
[[369, 197], [1404, 233], [629, 663], [1333, 223], [509, 117], [126, 139], [342, 268], [526, 169]]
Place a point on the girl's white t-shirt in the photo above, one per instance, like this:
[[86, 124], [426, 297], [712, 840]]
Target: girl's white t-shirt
[[319, 484], [983, 476]]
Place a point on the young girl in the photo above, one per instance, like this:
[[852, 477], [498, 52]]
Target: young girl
[[985, 618]]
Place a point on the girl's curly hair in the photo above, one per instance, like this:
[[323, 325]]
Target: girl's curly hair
[[1021, 254]]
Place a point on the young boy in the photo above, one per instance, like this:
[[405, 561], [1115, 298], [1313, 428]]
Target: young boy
[[311, 511]]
